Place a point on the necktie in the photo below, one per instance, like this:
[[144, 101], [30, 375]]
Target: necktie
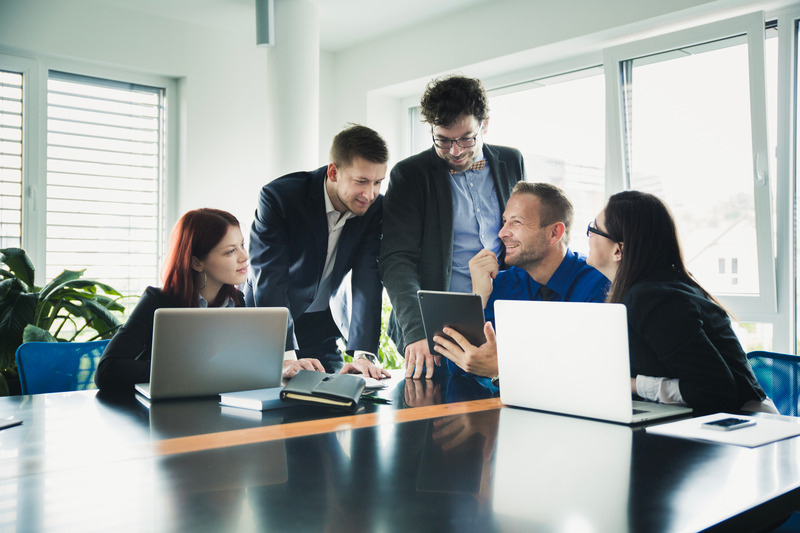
[[477, 165], [547, 294]]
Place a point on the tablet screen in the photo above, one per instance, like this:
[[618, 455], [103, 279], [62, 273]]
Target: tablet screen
[[460, 311]]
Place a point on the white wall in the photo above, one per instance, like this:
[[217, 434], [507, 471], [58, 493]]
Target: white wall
[[500, 42], [222, 86], [223, 149]]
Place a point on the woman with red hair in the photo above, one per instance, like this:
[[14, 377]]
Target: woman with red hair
[[206, 261]]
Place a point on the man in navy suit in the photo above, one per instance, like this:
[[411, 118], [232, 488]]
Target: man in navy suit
[[310, 230]]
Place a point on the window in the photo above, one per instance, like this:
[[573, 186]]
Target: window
[[105, 179], [558, 123], [692, 110], [83, 169], [10, 159]]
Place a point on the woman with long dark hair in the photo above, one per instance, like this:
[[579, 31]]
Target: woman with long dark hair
[[206, 261], [682, 347]]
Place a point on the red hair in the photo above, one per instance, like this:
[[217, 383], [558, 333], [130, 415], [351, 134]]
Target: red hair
[[196, 234]]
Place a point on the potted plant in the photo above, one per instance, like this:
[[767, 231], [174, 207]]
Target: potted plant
[[66, 309]]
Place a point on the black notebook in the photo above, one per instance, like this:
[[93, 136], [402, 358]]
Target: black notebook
[[334, 390]]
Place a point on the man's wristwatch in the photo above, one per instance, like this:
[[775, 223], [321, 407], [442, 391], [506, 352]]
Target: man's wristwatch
[[369, 356]]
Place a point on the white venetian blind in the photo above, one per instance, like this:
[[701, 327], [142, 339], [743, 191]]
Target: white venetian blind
[[105, 173], [10, 159]]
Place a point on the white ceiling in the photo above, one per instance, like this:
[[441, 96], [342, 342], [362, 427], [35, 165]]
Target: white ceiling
[[343, 23]]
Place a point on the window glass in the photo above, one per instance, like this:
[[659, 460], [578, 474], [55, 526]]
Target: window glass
[[754, 335], [689, 142], [558, 124]]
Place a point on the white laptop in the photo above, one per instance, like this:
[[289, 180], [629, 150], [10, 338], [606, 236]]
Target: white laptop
[[570, 358], [203, 352]]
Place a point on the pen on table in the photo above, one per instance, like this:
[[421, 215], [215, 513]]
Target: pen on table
[[376, 399]]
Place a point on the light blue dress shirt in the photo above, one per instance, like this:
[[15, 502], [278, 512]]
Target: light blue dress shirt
[[476, 221]]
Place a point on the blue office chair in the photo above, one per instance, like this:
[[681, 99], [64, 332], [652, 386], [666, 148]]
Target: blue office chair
[[779, 376], [58, 366]]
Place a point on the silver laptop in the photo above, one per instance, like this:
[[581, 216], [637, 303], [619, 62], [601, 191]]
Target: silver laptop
[[570, 358], [203, 352]]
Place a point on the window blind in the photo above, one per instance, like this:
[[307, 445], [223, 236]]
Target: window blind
[[105, 173], [10, 159]]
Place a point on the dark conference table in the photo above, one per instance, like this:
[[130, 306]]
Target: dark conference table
[[445, 456]]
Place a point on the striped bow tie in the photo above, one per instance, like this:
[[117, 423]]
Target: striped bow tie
[[477, 165]]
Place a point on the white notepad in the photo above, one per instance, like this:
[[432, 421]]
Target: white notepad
[[765, 431]]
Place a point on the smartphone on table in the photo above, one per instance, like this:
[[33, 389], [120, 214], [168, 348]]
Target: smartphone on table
[[729, 424]]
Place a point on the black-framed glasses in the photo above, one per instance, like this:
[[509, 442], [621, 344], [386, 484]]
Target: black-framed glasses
[[592, 229], [466, 142]]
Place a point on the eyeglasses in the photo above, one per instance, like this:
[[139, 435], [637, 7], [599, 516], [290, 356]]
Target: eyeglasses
[[466, 142], [591, 229]]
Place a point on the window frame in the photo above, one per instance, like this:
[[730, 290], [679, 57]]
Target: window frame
[[34, 157], [616, 60]]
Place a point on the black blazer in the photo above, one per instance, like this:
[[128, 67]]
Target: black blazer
[[417, 245], [288, 246], [676, 332]]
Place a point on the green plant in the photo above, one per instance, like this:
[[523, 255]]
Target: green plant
[[387, 352], [67, 308]]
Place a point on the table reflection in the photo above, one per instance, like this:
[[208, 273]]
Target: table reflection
[[560, 473]]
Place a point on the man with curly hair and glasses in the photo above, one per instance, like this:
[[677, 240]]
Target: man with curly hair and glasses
[[442, 207]]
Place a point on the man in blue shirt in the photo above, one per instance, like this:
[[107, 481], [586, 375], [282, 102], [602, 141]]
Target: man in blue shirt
[[535, 233]]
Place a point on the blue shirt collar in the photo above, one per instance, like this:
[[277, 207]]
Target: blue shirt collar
[[562, 278]]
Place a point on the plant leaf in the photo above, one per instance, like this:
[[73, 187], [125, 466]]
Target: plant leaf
[[11, 285], [19, 312], [112, 304], [98, 312], [19, 263], [36, 334], [59, 281], [92, 286]]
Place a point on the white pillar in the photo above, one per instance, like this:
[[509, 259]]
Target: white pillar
[[293, 89]]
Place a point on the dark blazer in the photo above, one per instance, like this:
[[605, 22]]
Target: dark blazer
[[288, 246], [675, 331], [126, 360], [417, 245]]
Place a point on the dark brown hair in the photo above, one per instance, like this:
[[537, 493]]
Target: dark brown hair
[[196, 234], [448, 98], [358, 141], [645, 228]]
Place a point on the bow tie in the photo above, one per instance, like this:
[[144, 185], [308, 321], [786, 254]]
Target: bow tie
[[477, 165]]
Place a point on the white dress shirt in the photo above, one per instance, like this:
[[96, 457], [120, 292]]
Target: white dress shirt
[[336, 222]]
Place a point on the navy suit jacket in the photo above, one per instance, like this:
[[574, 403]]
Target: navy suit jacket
[[288, 246]]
